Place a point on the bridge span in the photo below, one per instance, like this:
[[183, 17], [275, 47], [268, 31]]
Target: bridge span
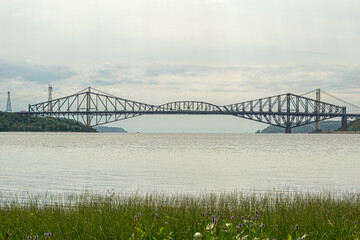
[[93, 107]]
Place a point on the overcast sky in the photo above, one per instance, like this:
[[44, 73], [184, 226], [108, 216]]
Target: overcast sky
[[218, 51]]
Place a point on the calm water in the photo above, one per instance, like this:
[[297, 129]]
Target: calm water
[[186, 163]]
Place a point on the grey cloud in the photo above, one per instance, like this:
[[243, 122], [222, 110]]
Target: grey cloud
[[124, 80], [181, 70], [227, 90], [33, 72]]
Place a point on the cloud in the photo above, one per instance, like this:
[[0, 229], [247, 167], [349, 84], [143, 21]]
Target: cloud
[[33, 72], [178, 70], [159, 83], [17, 14]]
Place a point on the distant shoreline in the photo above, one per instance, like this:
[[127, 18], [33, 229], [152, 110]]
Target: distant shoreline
[[337, 132]]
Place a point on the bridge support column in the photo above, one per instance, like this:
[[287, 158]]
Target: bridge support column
[[29, 116], [317, 111], [88, 108], [344, 120], [343, 123], [288, 129]]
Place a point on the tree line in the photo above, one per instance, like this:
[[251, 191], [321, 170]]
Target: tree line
[[19, 123]]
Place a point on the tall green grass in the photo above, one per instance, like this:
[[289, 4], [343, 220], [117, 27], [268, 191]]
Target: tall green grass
[[160, 216]]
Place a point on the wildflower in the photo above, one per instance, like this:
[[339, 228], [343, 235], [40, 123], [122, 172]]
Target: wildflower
[[156, 216], [256, 212], [242, 218], [260, 227], [36, 237], [139, 214], [252, 219], [276, 226], [297, 227], [213, 218], [135, 218], [345, 220], [47, 234], [199, 224], [215, 221], [355, 222], [166, 223], [257, 217], [203, 214], [29, 237], [232, 217], [239, 226], [197, 235]]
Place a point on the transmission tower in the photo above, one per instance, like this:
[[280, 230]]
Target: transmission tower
[[50, 89], [8, 104]]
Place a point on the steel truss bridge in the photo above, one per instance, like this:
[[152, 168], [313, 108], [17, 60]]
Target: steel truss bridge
[[93, 107]]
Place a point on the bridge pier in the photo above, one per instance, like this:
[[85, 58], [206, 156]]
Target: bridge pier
[[29, 116], [344, 120], [343, 123], [288, 129], [317, 111]]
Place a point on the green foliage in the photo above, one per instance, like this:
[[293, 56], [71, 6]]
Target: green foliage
[[325, 127], [157, 216], [17, 122], [354, 125], [110, 129]]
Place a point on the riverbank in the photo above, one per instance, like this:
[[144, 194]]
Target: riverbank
[[158, 216], [12, 122], [337, 132]]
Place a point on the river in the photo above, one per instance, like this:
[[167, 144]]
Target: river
[[33, 163]]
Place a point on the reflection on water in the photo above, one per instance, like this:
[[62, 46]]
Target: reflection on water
[[191, 163]]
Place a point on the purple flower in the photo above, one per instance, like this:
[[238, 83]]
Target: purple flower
[[232, 217], [242, 218], [239, 226], [256, 212], [29, 237], [36, 237], [252, 219], [345, 220], [135, 218], [203, 214], [276, 226], [47, 234], [257, 217], [213, 218], [156, 216], [355, 222], [166, 223], [139, 214], [297, 227], [260, 227], [199, 224], [215, 221]]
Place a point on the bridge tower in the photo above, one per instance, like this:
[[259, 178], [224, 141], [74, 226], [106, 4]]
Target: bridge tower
[[318, 110], [88, 107], [8, 103], [50, 90], [288, 122]]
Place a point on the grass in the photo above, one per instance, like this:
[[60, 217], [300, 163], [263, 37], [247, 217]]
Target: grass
[[159, 216]]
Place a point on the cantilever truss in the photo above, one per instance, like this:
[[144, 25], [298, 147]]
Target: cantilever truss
[[93, 108]]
